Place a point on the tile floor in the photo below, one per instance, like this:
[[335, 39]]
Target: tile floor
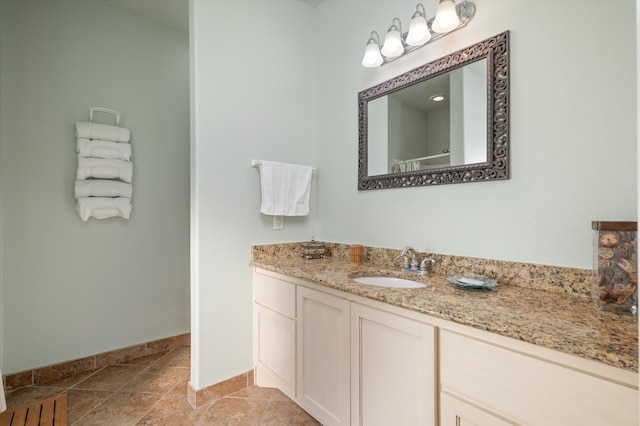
[[152, 390]]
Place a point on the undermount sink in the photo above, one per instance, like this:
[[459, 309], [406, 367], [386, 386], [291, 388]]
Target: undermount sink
[[388, 282]]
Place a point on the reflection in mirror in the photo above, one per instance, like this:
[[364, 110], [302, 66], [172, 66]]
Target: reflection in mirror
[[439, 122], [407, 137]]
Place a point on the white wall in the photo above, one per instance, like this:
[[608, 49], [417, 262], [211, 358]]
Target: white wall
[[73, 288], [573, 133], [253, 97]]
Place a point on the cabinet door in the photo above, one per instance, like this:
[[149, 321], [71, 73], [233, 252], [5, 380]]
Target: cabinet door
[[275, 337], [454, 412], [393, 369], [323, 356]]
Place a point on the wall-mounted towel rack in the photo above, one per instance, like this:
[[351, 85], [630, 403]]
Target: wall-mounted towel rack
[[105, 110], [257, 163], [103, 178]]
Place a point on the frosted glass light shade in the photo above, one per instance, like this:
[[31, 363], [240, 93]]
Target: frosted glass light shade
[[446, 17], [372, 57], [419, 32], [392, 46]]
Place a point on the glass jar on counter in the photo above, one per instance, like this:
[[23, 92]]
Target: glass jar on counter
[[615, 275]]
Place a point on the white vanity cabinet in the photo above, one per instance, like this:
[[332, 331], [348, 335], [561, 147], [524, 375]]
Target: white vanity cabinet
[[350, 360], [487, 380], [393, 369], [275, 333], [323, 356]]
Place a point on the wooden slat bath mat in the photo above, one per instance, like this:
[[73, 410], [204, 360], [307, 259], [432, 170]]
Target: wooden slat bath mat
[[48, 412]]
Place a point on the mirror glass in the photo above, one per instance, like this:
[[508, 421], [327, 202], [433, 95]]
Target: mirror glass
[[444, 122], [436, 123]]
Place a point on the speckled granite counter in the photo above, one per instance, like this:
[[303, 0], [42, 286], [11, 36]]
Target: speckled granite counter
[[555, 320]]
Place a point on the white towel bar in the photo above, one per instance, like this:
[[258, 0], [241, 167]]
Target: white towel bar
[[257, 163], [108, 111]]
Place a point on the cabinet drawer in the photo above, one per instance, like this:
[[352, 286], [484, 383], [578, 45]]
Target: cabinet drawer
[[530, 390], [276, 294]]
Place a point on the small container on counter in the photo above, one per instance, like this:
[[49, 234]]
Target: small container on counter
[[615, 275], [313, 250], [355, 254]]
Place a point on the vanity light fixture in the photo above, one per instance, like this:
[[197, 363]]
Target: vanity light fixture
[[372, 56], [419, 32], [449, 17], [446, 17], [392, 47]]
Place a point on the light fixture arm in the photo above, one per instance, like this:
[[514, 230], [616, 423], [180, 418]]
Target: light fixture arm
[[397, 27]]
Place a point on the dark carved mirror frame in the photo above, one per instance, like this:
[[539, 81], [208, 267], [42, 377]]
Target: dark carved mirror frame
[[496, 51]]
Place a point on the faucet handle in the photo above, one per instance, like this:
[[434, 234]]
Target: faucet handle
[[423, 264], [414, 263]]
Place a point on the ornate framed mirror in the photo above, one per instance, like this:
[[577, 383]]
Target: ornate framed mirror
[[406, 137]]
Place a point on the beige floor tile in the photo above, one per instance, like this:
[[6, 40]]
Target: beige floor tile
[[30, 394], [234, 412], [69, 381], [280, 413], [181, 387], [178, 357], [172, 410], [111, 378], [279, 396], [80, 402], [152, 391], [156, 379], [256, 392], [120, 409]]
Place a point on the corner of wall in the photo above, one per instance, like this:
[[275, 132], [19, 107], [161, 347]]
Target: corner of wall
[[1, 208]]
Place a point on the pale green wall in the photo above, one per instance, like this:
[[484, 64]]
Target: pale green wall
[[573, 133], [73, 288], [253, 97], [261, 90], [277, 98]]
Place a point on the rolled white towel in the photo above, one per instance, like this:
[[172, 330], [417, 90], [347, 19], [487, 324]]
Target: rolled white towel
[[103, 149], [102, 207], [102, 188], [101, 168], [102, 131]]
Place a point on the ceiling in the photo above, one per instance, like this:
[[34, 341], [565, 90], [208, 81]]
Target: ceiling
[[171, 13]]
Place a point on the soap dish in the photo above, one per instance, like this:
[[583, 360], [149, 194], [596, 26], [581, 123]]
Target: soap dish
[[473, 282], [313, 250]]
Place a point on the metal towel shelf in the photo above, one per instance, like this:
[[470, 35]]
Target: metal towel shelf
[[105, 110]]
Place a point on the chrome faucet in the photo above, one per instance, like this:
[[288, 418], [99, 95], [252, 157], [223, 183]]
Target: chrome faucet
[[410, 261]]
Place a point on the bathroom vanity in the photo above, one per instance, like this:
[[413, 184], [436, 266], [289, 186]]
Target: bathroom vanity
[[354, 354]]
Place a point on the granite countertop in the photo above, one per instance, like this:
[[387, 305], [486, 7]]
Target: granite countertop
[[558, 321]]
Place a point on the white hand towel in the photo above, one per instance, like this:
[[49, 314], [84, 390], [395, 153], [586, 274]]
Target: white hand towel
[[102, 188], [285, 189], [101, 168], [102, 131], [103, 149], [102, 208]]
